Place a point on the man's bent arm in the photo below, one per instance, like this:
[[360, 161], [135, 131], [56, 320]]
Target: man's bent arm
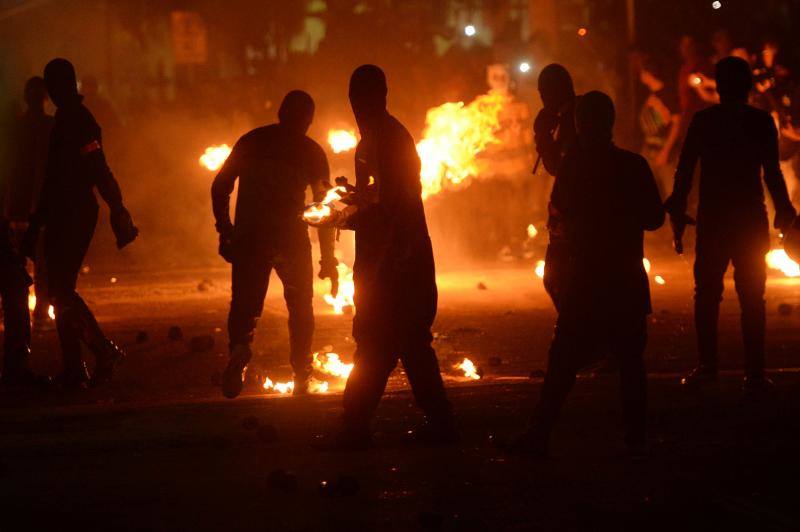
[[684, 174]]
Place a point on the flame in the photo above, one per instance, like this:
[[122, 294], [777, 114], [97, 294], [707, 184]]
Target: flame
[[659, 280], [532, 231], [777, 259], [344, 299], [539, 269], [647, 265], [469, 369], [215, 156], [316, 212], [280, 387], [51, 311], [454, 135], [342, 140], [330, 364]]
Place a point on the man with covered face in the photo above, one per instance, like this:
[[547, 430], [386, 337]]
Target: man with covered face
[[554, 133], [607, 197], [394, 273], [67, 212], [275, 164]]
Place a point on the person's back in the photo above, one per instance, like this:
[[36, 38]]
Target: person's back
[[275, 166]]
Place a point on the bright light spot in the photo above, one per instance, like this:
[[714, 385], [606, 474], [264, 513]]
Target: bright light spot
[[469, 30], [469, 369], [280, 387], [330, 364], [659, 280], [113, 280], [716, 4], [777, 259], [647, 265], [697, 80], [214, 157], [524, 67], [344, 298], [532, 231], [342, 140], [539, 269], [582, 32], [51, 312]]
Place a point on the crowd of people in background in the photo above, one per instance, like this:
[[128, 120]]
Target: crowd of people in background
[[670, 101]]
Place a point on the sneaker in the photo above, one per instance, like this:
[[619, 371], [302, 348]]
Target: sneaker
[[233, 376], [107, 359], [699, 376]]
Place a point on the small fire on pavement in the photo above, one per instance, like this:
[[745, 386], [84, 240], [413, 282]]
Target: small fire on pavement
[[469, 369], [343, 300], [215, 156]]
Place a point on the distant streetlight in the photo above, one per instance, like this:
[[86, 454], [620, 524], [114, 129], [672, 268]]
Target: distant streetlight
[[716, 4], [469, 30], [524, 67], [582, 32]]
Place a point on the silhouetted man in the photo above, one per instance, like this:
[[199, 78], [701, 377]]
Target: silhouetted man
[[607, 198], [29, 156], [733, 142], [274, 165], [14, 283], [554, 133], [68, 212], [394, 274]]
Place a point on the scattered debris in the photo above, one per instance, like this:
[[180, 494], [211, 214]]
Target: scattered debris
[[142, 337], [785, 309], [250, 423], [282, 480], [175, 333], [202, 343], [495, 361], [482, 286], [343, 486]]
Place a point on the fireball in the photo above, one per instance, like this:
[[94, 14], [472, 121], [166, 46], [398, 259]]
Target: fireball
[[214, 157], [342, 140], [469, 369], [777, 259], [454, 136], [330, 364]]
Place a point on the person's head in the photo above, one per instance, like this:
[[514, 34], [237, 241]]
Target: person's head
[[734, 79], [555, 86], [594, 117], [89, 86], [59, 77], [296, 111], [648, 75], [687, 47], [721, 42], [35, 93], [367, 93]]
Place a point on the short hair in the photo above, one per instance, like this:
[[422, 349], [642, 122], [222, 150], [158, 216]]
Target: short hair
[[368, 80], [61, 72], [296, 108], [734, 79], [595, 113]]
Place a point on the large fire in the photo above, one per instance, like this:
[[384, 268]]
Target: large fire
[[330, 364], [325, 362], [215, 156], [342, 140], [454, 135], [344, 298], [777, 259]]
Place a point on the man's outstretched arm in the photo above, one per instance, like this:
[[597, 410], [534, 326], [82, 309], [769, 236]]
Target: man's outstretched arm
[[773, 178]]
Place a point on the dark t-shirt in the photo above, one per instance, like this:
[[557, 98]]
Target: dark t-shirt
[[274, 166]]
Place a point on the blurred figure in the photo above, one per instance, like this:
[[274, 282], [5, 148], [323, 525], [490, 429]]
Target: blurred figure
[[274, 164], [659, 119], [29, 156], [733, 142], [554, 134], [607, 198], [694, 70], [14, 283], [721, 44], [100, 107], [394, 273], [68, 212]]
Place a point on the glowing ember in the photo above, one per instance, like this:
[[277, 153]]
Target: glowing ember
[[51, 312], [215, 156], [330, 364], [777, 259], [659, 280], [342, 140], [344, 298], [469, 369], [539, 269], [454, 135], [532, 231], [647, 265]]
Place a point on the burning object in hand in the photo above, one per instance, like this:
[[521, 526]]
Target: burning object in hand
[[320, 212]]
